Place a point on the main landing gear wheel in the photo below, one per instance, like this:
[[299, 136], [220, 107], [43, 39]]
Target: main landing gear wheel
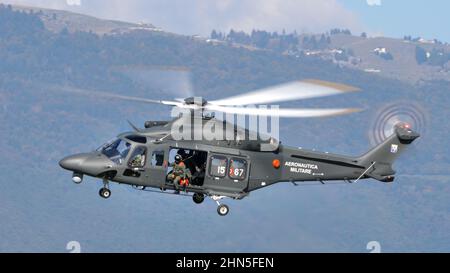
[[105, 193], [198, 198], [223, 210]]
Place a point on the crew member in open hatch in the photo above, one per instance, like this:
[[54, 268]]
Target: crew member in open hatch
[[179, 173]]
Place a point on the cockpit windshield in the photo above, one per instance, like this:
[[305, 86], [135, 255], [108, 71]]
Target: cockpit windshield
[[116, 150]]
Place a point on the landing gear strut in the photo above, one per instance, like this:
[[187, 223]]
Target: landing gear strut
[[105, 192], [198, 198], [222, 209]]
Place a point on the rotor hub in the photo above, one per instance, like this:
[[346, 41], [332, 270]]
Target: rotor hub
[[196, 101]]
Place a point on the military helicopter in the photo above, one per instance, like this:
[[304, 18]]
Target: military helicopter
[[224, 168]]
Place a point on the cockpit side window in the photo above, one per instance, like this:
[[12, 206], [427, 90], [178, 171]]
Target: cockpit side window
[[138, 157], [116, 151]]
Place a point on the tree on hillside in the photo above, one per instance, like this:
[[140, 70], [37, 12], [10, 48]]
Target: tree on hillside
[[214, 34], [421, 55]]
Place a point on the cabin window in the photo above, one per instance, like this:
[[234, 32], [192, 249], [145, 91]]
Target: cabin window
[[218, 166], [137, 159], [158, 158], [238, 169]]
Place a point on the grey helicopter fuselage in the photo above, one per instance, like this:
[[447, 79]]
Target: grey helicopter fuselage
[[231, 161], [232, 168]]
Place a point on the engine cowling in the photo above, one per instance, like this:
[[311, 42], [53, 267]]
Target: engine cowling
[[150, 123]]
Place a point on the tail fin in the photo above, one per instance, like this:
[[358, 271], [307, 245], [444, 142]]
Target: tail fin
[[383, 156]]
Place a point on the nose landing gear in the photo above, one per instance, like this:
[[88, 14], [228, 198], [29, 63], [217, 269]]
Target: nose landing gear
[[105, 192]]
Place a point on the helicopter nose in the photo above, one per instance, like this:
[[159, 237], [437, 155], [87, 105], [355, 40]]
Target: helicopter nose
[[73, 162]]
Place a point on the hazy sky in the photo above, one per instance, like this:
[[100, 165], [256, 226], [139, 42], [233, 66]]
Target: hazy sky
[[428, 19], [389, 17]]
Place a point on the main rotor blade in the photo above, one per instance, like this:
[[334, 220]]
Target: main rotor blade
[[174, 81], [100, 94], [286, 113], [287, 92]]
